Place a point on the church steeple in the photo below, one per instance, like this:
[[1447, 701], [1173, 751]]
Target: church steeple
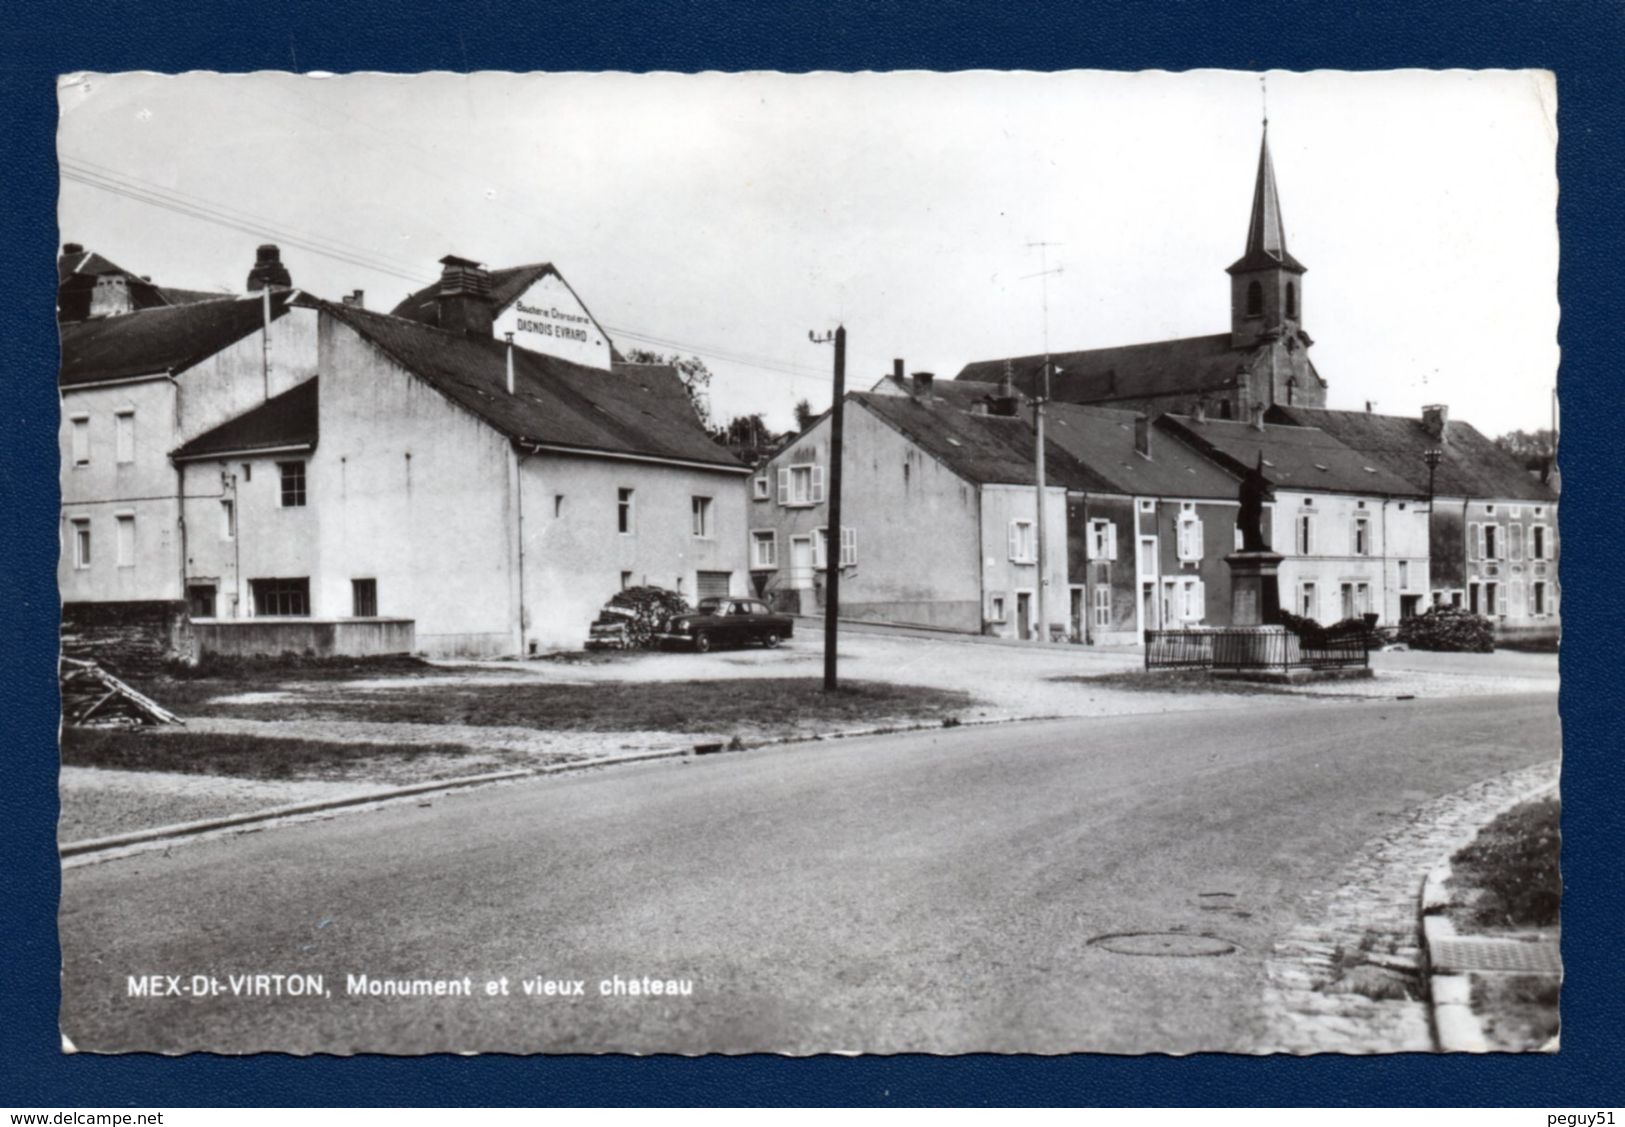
[[1265, 282]]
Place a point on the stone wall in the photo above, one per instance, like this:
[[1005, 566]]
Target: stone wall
[[129, 638]]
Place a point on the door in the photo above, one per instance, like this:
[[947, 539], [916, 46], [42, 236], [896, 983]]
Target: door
[[1078, 611], [1024, 615], [801, 562], [1148, 606], [709, 584]]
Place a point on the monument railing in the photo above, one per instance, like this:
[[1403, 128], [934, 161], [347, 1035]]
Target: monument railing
[[1250, 648]]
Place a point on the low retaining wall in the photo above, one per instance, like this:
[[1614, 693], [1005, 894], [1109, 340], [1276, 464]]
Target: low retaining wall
[[130, 638], [316, 637]]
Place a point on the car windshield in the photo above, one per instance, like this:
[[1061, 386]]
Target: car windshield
[[710, 606]]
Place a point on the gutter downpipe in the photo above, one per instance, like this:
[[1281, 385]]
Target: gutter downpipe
[[180, 482], [519, 513], [1086, 612]]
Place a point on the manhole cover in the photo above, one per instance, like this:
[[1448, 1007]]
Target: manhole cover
[[1168, 944], [1496, 955]]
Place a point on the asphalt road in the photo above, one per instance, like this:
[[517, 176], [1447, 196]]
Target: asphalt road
[[932, 892]]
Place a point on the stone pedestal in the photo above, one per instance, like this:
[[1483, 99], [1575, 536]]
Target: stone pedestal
[[1255, 590]]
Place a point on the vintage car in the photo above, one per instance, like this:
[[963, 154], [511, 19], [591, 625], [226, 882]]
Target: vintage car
[[727, 621]]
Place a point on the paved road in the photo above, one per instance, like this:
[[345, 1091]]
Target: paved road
[[929, 892]]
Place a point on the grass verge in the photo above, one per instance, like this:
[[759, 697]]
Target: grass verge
[[1183, 681], [1518, 1011], [1508, 877], [756, 704], [249, 757]]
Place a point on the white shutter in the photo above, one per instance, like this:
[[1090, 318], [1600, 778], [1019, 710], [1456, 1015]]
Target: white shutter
[[1092, 529], [817, 484], [784, 487], [1196, 539], [1201, 601], [820, 536], [849, 547], [1111, 541], [1475, 541], [1015, 552]]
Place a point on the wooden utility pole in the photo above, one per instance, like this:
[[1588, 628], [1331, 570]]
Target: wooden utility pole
[[832, 535], [1038, 452]]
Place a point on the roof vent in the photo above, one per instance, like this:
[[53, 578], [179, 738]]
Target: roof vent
[[464, 297]]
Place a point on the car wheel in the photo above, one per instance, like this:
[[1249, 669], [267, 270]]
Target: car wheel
[[771, 640], [702, 642]]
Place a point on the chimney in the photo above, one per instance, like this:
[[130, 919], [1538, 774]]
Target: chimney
[[70, 249], [1370, 406], [1142, 434], [924, 384], [465, 297], [510, 362], [897, 371], [356, 299], [1255, 415], [1436, 421], [268, 269]]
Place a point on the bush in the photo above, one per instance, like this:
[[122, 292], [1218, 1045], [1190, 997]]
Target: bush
[[1449, 629], [1312, 633]]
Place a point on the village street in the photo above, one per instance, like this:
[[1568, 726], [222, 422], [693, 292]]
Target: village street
[[933, 891]]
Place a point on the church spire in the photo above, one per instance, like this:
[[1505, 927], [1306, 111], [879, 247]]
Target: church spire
[[1266, 233]]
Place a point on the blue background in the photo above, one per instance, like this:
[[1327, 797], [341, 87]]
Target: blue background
[[1581, 42]]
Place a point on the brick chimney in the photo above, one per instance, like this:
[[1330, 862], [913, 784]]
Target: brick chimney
[[1142, 434], [465, 297], [897, 371], [924, 385], [268, 269], [1436, 421], [357, 299]]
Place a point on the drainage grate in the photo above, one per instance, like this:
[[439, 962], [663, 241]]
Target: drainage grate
[[1496, 955], [1166, 944]]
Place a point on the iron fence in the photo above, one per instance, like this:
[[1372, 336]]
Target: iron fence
[[1224, 648]]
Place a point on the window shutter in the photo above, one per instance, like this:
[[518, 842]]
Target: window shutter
[[784, 487], [1196, 539], [1309, 536], [1200, 597], [818, 484], [1111, 541], [1089, 541], [1354, 537], [849, 547], [1014, 553], [1475, 541]]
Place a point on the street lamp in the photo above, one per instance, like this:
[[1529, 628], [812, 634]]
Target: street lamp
[[1432, 456]]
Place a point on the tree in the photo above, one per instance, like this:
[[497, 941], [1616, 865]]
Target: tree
[[1533, 448], [804, 415], [748, 437], [691, 370]]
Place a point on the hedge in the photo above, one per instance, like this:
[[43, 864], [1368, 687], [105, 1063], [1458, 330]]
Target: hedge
[[1448, 629]]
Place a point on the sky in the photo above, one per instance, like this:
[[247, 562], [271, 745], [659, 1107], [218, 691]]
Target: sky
[[729, 215]]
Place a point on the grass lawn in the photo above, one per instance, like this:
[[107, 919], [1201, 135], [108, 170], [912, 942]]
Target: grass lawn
[[239, 756], [1508, 876], [756, 704], [1178, 681]]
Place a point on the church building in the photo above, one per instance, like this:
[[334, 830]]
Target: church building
[[1262, 361]]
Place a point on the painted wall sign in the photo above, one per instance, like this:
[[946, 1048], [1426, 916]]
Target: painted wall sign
[[548, 318]]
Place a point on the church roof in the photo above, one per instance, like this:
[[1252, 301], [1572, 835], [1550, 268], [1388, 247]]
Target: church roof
[[1135, 371], [1266, 233]]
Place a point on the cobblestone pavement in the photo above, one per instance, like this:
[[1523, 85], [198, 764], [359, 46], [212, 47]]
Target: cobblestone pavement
[[1350, 981]]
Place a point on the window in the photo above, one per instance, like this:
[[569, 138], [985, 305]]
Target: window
[[124, 543], [287, 598], [1306, 534], [1102, 544], [849, 547], [1515, 510], [1147, 505], [1347, 592], [1490, 592], [764, 550], [1291, 300], [1404, 575], [124, 436], [228, 519], [1537, 597], [1537, 542], [293, 484], [200, 600], [1193, 596], [1103, 605], [248, 471], [759, 488], [558, 505], [624, 511], [1362, 598], [1472, 598], [1190, 537], [1023, 547], [701, 510], [81, 543], [1360, 541], [1492, 541], [1307, 607], [1489, 510], [1255, 299], [801, 485], [81, 440], [995, 608], [364, 598]]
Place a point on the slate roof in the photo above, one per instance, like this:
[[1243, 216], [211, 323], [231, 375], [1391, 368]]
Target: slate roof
[[640, 409], [283, 420], [1472, 466], [85, 262], [1136, 371], [177, 296], [1304, 458], [1266, 232], [1102, 440], [167, 339]]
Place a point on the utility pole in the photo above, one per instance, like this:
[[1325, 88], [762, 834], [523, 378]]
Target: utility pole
[[1038, 450], [832, 535]]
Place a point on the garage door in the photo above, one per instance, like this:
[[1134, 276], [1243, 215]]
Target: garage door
[[710, 583]]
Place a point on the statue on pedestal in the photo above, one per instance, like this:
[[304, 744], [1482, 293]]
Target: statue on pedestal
[[1255, 490]]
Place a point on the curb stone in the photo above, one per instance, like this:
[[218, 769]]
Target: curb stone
[[88, 846], [1456, 1028]]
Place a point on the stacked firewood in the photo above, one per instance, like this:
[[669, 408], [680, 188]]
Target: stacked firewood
[[632, 618], [94, 698]]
